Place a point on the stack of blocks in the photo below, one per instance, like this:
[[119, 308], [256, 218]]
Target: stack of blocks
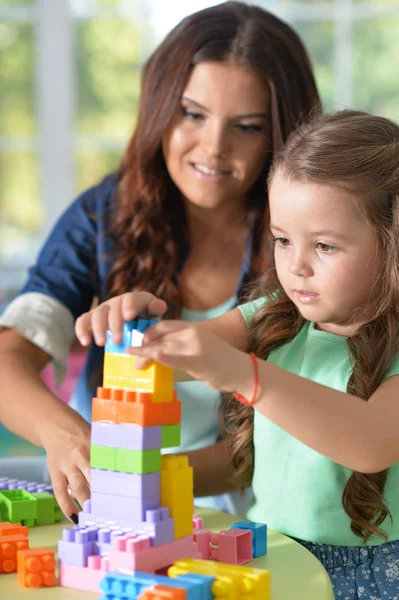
[[139, 520], [140, 515]]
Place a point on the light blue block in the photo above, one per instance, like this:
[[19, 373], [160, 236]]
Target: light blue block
[[259, 536], [132, 335]]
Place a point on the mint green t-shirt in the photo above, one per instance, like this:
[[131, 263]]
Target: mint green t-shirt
[[297, 490]]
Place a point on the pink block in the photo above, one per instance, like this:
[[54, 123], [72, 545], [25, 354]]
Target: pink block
[[233, 548], [202, 539], [198, 522], [131, 542], [81, 578], [155, 558]]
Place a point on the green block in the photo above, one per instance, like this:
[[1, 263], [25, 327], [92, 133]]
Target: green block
[[103, 457], [170, 435], [18, 506], [46, 508], [138, 461]]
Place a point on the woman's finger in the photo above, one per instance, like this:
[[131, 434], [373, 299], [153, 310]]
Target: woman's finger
[[83, 328], [78, 485], [99, 323], [59, 483]]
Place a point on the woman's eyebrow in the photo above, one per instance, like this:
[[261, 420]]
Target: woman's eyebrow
[[258, 115]]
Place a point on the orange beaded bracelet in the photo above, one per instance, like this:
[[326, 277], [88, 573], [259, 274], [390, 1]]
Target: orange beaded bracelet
[[241, 398]]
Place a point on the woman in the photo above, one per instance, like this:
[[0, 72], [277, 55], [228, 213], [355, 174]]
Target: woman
[[183, 217]]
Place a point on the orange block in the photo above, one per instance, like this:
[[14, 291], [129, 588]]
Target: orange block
[[7, 528], [36, 567], [9, 546], [125, 406], [162, 592]]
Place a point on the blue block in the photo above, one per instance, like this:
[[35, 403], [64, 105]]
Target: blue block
[[130, 585], [259, 536], [132, 334]]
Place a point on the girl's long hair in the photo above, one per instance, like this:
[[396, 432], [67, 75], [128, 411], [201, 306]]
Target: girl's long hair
[[359, 153], [149, 223]]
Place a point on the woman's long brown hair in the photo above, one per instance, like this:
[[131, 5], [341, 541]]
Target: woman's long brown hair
[[149, 222], [359, 153]]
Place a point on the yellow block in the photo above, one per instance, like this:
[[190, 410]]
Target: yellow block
[[233, 582], [177, 492], [120, 372]]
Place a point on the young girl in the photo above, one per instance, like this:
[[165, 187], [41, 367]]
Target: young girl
[[183, 217], [316, 422]]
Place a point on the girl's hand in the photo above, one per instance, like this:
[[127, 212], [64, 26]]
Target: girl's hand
[[112, 313], [68, 459], [194, 349]]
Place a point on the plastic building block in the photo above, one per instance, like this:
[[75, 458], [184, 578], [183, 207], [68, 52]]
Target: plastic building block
[[138, 461], [120, 372], [103, 457], [152, 559], [30, 486], [130, 583], [132, 335], [162, 592], [232, 582], [9, 546], [86, 579], [36, 567], [171, 435], [259, 536], [122, 507], [177, 492], [48, 511], [198, 522], [7, 528], [233, 546], [124, 406], [126, 435], [202, 540], [18, 506], [77, 545], [135, 485], [157, 524]]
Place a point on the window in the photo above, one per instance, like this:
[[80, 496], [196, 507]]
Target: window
[[69, 89]]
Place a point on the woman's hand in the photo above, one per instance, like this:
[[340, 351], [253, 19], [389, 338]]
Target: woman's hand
[[68, 459], [112, 313], [194, 349]]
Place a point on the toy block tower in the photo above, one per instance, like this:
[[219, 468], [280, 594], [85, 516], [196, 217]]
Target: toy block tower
[[140, 515]]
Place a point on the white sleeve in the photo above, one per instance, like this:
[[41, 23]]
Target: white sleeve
[[45, 322]]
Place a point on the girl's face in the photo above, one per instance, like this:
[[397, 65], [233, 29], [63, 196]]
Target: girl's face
[[325, 252], [220, 138]]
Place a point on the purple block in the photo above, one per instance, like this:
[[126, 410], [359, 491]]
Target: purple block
[[158, 525], [125, 484], [122, 507], [125, 435], [76, 545]]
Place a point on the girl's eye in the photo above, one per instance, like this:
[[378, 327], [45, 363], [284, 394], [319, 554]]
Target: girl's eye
[[250, 128], [325, 248], [282, 242], [191, 115]]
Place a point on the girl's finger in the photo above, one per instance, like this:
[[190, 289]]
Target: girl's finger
[[115, 320], [162, 329]]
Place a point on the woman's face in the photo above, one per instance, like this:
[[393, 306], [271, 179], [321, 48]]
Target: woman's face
[[220, 138]]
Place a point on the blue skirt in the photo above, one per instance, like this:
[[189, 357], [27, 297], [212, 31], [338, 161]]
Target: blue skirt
[[360, 572]]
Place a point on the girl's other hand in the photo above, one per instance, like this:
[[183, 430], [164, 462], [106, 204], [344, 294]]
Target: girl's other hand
[[197, 351], [112, 313]]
